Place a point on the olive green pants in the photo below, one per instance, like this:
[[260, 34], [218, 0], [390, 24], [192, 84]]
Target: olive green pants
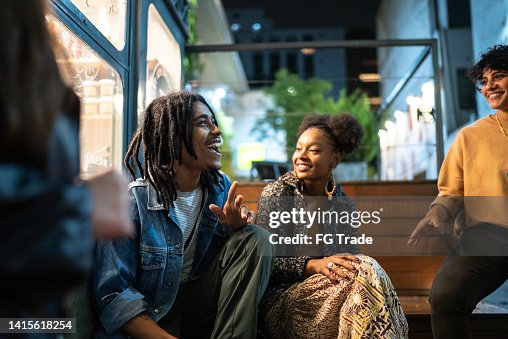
[[223, 302]]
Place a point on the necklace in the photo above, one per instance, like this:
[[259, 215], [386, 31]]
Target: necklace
[[501, 126]]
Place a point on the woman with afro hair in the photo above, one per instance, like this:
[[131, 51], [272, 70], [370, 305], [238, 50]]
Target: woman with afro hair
[[323, 290]]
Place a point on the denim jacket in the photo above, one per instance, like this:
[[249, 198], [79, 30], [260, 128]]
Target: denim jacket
[[141, 274]]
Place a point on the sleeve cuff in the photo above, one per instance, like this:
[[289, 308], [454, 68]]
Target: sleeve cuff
[[453, 205], [303, 263], [123, 308]]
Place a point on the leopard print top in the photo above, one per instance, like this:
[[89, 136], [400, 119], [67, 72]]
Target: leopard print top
[[288, 270]]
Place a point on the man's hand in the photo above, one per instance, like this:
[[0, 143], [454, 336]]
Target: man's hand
[[435, 217], [233, 215]]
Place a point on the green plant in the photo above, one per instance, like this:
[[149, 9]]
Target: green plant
[[191, 65], [357, 105]]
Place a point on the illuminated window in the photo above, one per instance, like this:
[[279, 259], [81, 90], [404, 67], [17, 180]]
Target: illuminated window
[[100, 91], [164, 68], [108, 16]]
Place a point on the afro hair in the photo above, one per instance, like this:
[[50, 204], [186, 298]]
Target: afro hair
[[344, 130]]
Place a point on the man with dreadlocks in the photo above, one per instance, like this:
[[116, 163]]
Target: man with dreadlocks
[[194, 267]]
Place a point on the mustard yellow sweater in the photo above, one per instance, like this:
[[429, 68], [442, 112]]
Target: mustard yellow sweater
[[477, 166]]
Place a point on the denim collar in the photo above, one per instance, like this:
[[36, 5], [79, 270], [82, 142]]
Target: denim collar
[[153, 204]]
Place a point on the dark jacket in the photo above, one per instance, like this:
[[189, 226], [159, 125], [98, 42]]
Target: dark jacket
[[45, 216]]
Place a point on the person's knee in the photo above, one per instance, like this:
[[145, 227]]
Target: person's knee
[[441, 301], [446, 300], [370, 260], [260, 238], [254, 238], [369, 264], [458, 286]]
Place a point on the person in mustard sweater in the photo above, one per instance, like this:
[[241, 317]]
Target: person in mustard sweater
[[473, 187]]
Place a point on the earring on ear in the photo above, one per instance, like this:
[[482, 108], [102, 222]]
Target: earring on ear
[[334, 187], [300, 182]]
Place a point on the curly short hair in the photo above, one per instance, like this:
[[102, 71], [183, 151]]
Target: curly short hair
[[496, 57], [344, 131]]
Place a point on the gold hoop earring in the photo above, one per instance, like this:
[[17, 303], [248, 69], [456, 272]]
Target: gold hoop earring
[[300, 182], [334, 187]]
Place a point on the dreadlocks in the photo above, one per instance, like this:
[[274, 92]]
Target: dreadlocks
[[166, 128]]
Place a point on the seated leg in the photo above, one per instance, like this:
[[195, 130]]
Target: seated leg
[[459, 285]]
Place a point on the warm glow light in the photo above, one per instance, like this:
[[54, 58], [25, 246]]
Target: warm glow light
[[118, 102], [374, 100], [308, 51], [369, 77]]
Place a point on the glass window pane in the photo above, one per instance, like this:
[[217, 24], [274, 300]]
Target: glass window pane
[[163, 69], [108, 16], [100, 90]]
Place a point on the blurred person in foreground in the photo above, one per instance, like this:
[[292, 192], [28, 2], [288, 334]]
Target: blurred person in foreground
[[473, 185], [194, 267], [48, 216], [324, 291]]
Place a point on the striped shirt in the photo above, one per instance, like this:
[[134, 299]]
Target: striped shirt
[[187, 210]]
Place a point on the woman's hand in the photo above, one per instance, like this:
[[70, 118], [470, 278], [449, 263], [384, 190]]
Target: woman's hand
[[234, 215], [333, 267]]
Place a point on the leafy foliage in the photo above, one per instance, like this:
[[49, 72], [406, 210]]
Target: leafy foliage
[[192, 66], [357, 105]]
